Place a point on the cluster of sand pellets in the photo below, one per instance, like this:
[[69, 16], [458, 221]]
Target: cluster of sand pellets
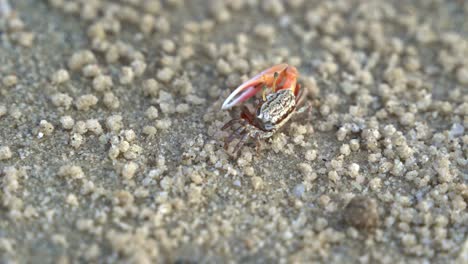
[[111, 148]]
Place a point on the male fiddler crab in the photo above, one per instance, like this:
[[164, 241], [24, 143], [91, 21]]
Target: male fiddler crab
[[272, 111]]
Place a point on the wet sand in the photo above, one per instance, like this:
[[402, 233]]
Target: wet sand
[[111, 147]]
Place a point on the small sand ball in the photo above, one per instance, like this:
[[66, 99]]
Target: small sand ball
[[138, 67], [45, 128], [462, 75], [80, 127], [152, 6], [345, 149], [114, 123], [94, 126], [295, 3], [223, 67], [321, 223], [166, 102], [152, 112], [299, 190], [354, 144], [325, 111], [3, 110], [5, 153], [60, 76], [329, 67], [24, 38], [163, 124], [96, 31], [162, 25], [151, 87], [71, 171], [10, 179], [129, 170], [442, 166], [14, 23], [112, 54], [91, 71], [123, 197], [361, 213], [67, 122], [72, 200], [102, 83], [61, 100], [126, 75], [310, 155], [305, 168], [129, 135], [15, 112], [165, 75], [85, 102], [111, 101], [186, 52], [324, 200], [353, 170], [407, 119], [342, 131], [196, 178], [168, 45], [183, 86], [149, 131], [333, 176], [81, 58], [265, 31], [182, 108], [375, 184], [273, 7], [147, 23], [175, 3], [124, 146], [193, 99], [221, 14], [89, 11], [257, 182], [76, 140], [249, 171], [114, 152], [408, 240]]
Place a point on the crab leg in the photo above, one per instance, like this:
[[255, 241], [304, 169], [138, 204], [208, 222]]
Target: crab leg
[[251, 87], [238, 132], [232, 122], [241, 142]]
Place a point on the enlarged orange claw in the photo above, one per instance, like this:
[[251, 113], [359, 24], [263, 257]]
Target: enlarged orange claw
[[234, 98], [278, 77]]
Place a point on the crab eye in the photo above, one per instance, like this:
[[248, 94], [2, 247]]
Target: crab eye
[[268, 126]]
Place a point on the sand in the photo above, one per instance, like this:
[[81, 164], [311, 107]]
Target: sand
[[111, 148]]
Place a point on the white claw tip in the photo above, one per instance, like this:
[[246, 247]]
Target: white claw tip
[[226, 106]]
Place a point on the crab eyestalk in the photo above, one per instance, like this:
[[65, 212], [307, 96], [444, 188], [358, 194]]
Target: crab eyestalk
[[264, 93]]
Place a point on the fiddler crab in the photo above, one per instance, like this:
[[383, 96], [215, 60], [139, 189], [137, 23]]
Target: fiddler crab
[[272, 111]]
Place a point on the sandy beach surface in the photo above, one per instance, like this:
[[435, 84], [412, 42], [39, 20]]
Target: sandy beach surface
[[111, 148]]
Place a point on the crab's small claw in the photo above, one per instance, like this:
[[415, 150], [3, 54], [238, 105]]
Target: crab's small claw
[[266, 78]]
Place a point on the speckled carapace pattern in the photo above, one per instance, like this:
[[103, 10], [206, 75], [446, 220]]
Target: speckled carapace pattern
[[111, 149]]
